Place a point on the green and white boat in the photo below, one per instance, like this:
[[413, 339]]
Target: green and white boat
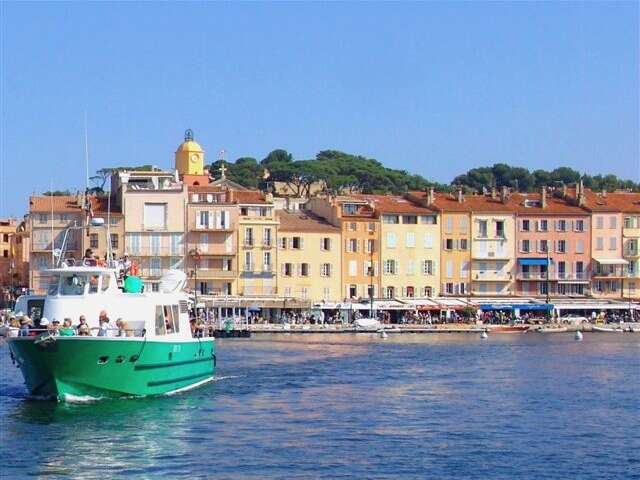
[[160, 357]]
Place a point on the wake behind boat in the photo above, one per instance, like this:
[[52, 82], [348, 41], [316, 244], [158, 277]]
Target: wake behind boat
[[156, 354]]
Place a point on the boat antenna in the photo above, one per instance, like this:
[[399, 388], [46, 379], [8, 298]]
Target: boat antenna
[[53, 240], [109, 251]]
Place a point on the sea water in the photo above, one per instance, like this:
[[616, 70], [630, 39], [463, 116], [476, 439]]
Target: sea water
[[354, 406]]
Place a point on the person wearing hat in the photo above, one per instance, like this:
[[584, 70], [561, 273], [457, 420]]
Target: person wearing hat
[[54, 327], [25, 326]]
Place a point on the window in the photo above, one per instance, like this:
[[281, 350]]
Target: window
[[411, 267], [155, 216], [427, 267], [349, 209], [449, 268], [464, 269], [628, 222], [353, 226], [448, 244], [428, 219], [287, 269], [266, 261], [428, 240], [410, 240], [390, 219], [353, 291], [390, 267], [352, 245], [325, 270], [5, 237], [525, 225], [448, 288], [325, 244], [353, 268], [371, 227], [202, 219], [613, 242], [525, 246], [160, 323], [93, 240], [114, 241], [561, 246], [613, 222], [410, 219], [561, 226], [304, 269], [410, 292], [296, 243], [155, 266], [448, 225], [248, 236], [579, 246], [599, 243], [106, 281], [154, 240], [427, 292], [579, 225], [600, 221], [5, 253], [499, 228], [390, 292], [482, 228], [266, 237], [248, 261], [544, 246], [371, 245], [282, 243], [391, 240], [463, 244]]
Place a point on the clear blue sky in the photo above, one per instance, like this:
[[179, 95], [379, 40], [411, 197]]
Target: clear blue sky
[[434, 88]]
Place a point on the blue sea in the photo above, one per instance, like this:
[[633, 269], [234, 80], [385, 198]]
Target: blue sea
[[521, 406]]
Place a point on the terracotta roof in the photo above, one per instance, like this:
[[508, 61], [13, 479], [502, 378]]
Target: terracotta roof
[[250, 196], [206, 189], [101, 205], [448, 202], [612, 202], [555, 205], [304, 222], [395, 204], [61, 203]]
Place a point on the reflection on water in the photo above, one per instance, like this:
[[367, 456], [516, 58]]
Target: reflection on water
[[409, 406]]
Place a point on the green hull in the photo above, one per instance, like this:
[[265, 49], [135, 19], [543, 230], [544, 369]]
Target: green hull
[[70, 367]]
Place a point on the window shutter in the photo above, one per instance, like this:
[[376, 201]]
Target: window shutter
[[301, 243], [198, 220]]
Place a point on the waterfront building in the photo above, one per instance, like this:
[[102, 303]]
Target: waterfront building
[[409, 247], [553, 244], [20, 252], [154, 204], [49, 218], [360, 251], [7, 264], [608, 267], [212, 240], [308, 257], [96, 237], [631, 244], [492, 243], [455, 245], [257, 252]]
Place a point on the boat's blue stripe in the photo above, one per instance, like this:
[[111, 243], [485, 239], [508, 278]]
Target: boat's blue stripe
[[181, 379], [150, 366]]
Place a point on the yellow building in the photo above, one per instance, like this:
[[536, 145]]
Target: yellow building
[[257, 226], [7, 264], [308, 257], [189, 156], [409, 251]]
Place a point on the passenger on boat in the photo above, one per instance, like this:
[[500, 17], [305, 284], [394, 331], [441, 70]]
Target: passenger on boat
[[54, 327], [104, 330], [123, 328], [45, 325], [25, 326], [67, 330], [83, 330], [83, 321]]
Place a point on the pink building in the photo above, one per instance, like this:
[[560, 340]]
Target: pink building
[[553, 246]]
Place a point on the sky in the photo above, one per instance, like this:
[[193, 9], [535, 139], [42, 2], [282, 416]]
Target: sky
[[433, 88]]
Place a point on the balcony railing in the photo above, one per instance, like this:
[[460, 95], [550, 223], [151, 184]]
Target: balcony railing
[[572, 276], [491, 255], [213, 228], [492, 275], [216, 273], [156, 252], [552, 276]]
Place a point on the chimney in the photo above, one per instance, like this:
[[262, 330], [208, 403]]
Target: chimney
[[564, 190], [460, 195], [494, 193], [504, 194], [430, 196], [543, 197], [269, 197]]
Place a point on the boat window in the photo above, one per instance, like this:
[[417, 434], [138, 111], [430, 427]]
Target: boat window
[[176, 318], [53, 285], [73, 285], [160, 328], [106, 279], [93, 283]]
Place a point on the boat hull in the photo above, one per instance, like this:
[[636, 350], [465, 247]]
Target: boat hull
[[68, 367]]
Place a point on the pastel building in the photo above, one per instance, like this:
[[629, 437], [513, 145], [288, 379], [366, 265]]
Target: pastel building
[[309, 257], [631, 244], [360, 251], [608, 265], [553, 245], [257, 252], [107, 237], [212, 240], [7, 264]]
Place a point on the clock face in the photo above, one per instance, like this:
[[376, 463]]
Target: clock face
[[194, 158]]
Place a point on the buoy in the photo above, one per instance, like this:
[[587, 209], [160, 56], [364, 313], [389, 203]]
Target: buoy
[[383, 334], [484, 335], [578, 335]]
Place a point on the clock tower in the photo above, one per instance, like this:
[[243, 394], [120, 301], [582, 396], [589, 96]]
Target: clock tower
[[189, 156]]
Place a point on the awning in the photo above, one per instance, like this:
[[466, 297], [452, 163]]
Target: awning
[[509, 306], [611, 261], [533, 261]]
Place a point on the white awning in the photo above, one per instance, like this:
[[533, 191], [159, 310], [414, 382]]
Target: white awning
[[611, 261]]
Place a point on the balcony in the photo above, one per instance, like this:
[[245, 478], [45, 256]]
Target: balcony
[[491, 256], [212, 228], [214, 273], [631, 252], [553, 276], [572, 276], [210, 249], [533, 276], [156, 252], [492, 276], [254, 269]]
